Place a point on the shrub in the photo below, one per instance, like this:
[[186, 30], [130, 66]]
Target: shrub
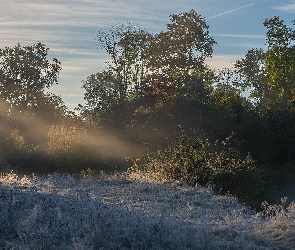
[[79, 148], [220, 165], [24, 158]]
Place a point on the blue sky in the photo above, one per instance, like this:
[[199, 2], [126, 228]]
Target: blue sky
[[69, 29]]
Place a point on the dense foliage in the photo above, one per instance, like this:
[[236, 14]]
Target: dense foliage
[[220, 166]]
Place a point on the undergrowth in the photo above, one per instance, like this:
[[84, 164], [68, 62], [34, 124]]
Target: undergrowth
[[218, 165]]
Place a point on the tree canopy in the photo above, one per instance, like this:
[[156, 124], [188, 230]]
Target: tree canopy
[[24, 74], [184, 46], [280, 57]]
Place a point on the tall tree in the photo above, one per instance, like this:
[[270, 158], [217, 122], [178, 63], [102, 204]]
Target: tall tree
[[24, 74], [127, 46], [184, 46], [252, 67], [280, 61], [102, 96], [280, 57]]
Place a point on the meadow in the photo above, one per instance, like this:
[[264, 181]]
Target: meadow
[[126, 211]]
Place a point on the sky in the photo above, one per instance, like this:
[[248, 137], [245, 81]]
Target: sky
[[69, 28]]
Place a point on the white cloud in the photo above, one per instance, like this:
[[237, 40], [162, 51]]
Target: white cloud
[[76, 52], [236, 9], [77, 13], [82, 67], [220, 61], [287, 7], [239, 36], [246, 45]]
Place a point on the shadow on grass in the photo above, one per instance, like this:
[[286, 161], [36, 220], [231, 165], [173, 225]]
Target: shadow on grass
[[54, 212]]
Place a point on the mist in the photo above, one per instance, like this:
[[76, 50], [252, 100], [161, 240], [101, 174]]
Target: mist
[[31, 138]]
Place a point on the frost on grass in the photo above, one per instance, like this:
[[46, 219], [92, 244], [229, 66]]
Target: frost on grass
[[281, 223], [62, 212]]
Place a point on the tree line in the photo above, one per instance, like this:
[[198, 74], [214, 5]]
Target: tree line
[[154, 90]]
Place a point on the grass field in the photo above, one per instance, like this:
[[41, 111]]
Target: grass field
[[119, 212]]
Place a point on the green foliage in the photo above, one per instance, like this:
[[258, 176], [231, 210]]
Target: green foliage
[[24, 158], [127, 45], [225, 109], [139, 61], [63, 139], [197, 162], [76, 147], [68, 147], [25, 72], [280, 57], [252, 67], [102, 97], [17, 139], [282, 140], [183, 47]]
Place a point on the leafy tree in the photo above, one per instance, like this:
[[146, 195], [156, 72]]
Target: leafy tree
[[184, 46], [135, 54], [108, 91], [252, 67], [280, 61], [102, 97], [24, 74], [127, 45], [280, 57]]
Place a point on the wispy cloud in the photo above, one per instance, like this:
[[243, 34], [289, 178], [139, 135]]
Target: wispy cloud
[[239, 36], [246, 45], [220, 61], [236, 9], [69, 28], [287, 7]]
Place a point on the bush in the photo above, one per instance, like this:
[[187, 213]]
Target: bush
[[70, 150], [24, 158], [220, 165], [78, 148]]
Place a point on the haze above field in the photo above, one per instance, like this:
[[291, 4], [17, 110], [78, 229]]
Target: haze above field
[[69, 29]]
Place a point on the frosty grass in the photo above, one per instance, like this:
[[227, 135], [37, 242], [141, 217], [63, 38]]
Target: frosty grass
[[119, 212]]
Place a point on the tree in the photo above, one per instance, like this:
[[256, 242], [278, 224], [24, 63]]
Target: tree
[[280, 61], [280, 57], [24, 74], [252, 68], [184, 46], [127, 46], [102, 96]]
